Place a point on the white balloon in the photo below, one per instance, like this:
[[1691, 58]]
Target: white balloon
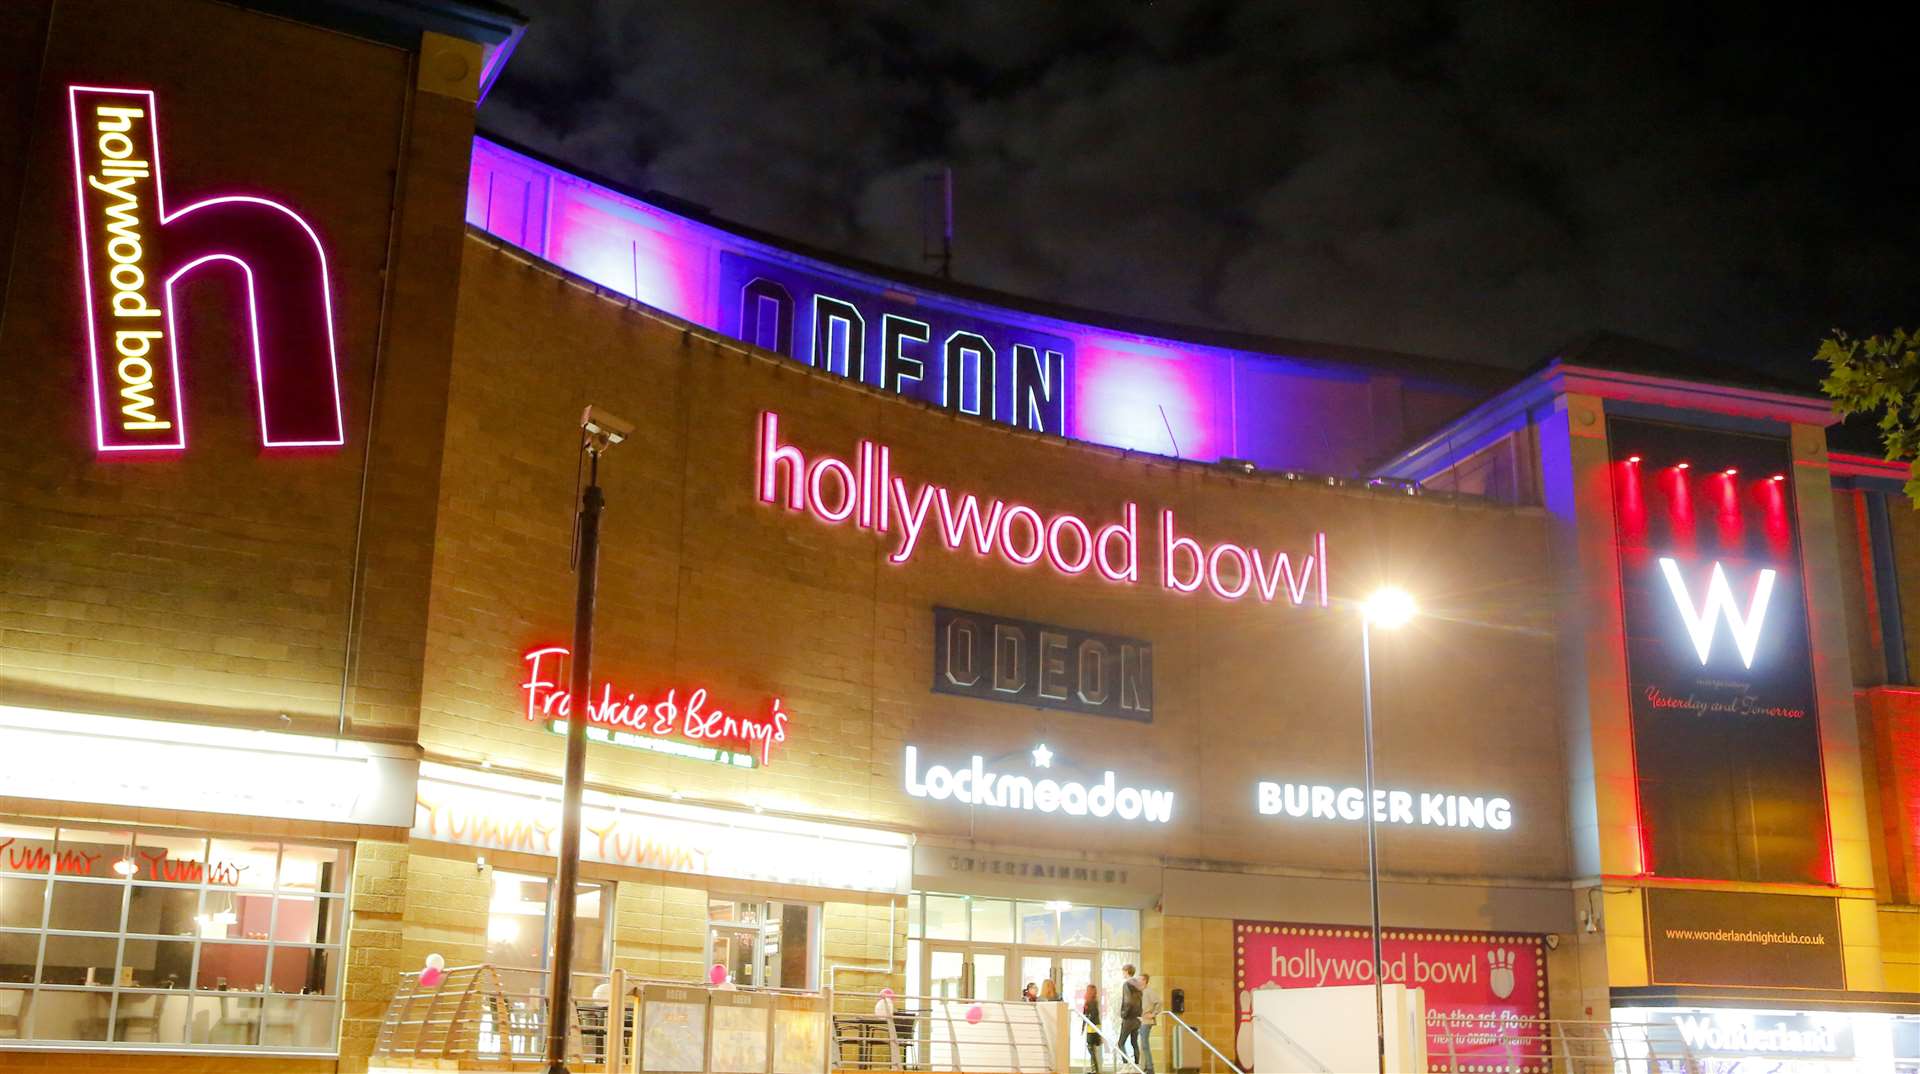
[[436, 962]]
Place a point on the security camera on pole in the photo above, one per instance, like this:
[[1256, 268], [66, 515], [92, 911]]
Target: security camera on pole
[[599, 432]]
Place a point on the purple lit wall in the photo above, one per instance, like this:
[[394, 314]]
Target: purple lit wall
[[1154, 394]]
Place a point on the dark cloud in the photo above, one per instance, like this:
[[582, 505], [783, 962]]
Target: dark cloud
[[1478, 181]]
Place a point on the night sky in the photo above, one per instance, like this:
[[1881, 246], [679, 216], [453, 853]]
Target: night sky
[[1481, 182]]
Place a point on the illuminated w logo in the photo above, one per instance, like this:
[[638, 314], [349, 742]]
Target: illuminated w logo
[[1701, 622]]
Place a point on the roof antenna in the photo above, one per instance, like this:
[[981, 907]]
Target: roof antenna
[[936, 220]]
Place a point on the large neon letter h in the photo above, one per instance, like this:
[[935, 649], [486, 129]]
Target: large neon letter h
[[133, 254]]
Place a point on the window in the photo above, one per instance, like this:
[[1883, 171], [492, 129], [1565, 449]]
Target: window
[[120, 937], [519, 929], [765, 944]]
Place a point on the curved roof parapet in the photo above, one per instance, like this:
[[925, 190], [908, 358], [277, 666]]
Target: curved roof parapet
[[1128, 383]]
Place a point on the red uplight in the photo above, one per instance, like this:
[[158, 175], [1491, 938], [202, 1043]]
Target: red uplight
[[1729, 471], [1681, 465], [1777, 477], [1633, 458]]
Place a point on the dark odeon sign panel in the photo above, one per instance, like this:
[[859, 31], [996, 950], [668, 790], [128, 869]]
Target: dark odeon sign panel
[[1726, 738], [996, 658]]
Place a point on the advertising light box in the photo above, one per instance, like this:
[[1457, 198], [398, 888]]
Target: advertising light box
[[1486, 993], [1726, 737]]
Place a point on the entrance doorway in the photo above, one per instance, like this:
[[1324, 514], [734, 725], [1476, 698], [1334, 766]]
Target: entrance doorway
[[960, 971]]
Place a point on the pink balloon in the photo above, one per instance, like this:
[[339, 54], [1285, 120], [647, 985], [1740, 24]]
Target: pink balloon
[[717, 975], [887, 992], [974, 1014], [430, 977]]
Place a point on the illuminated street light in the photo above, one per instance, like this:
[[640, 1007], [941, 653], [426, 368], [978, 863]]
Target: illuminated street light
[[1390, 607], [1387, 608]]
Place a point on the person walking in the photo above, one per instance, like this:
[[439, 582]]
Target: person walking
[[1090, 1010], [1149, 1015], [1049, 992], [1130, 997], [1030, 994]]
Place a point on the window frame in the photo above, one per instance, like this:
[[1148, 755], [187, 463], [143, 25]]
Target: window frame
[[335, 905], [816, 936]]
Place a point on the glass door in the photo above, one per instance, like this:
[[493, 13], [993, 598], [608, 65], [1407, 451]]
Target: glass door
[[960, 972], [1062, 977]]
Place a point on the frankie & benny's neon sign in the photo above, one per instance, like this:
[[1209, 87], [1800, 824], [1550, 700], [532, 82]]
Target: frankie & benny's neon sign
[[133, 254], [867, 493], [668, 716]]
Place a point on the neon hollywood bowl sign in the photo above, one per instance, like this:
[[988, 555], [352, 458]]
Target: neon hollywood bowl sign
[[867, 494], [134, 253]]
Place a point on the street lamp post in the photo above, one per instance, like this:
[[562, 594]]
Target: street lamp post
[[599, 431], [1387, 608]]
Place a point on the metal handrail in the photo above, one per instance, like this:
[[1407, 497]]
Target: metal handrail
[[1208, 1045], [955, 1049], [1287, 1039]]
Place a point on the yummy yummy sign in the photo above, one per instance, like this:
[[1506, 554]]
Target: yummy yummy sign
[[866, 494], [1486, 993]]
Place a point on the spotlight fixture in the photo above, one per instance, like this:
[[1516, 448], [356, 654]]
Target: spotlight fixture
[[1729, 471], [1633, 459], [1777, 477], [1682, 465]]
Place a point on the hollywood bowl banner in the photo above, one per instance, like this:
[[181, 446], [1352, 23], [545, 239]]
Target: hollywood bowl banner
[[1486, 992]]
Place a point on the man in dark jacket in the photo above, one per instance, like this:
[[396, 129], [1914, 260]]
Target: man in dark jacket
[[1130, 1006]]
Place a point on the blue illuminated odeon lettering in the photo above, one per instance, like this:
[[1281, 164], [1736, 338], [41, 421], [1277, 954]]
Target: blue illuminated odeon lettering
[[954, 360]]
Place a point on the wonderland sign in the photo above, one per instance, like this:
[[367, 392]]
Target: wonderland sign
[[134, 253]]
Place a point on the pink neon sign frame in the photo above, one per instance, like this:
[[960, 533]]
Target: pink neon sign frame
[[165, 218]]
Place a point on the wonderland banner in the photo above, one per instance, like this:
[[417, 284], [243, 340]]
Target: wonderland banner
[[1486, 993], [1726, 736]]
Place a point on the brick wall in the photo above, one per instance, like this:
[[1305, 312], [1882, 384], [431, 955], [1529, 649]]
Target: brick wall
[[702, 584], [220, 582]]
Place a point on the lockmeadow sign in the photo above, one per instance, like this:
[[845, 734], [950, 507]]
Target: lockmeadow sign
[[977, 783]]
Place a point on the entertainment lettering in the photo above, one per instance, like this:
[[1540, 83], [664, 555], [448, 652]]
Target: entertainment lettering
[[868, 494], [133, 255], [978, 785], [621, 713], [1320, 802]]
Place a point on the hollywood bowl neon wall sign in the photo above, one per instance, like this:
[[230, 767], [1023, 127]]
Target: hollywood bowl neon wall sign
[[134, 253], [868, 495]]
